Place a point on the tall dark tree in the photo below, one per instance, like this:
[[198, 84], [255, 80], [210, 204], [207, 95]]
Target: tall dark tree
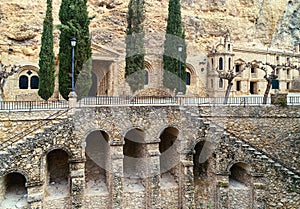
[[135, 51], [173, 60], [46, 62], [75, 22]]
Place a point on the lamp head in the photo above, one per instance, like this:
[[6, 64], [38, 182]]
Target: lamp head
[[73, 42], [179, 47]]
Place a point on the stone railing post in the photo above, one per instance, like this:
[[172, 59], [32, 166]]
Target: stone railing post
[[153, 178], [35, 192], [77, 183], [72, 99], [116, 176]]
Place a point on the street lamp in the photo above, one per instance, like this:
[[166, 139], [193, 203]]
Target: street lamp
[[73, 44], [179, 49]]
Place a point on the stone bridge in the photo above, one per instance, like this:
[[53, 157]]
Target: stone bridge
[[151, 156]]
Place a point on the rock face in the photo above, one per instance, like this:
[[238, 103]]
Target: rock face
[[250, 22]]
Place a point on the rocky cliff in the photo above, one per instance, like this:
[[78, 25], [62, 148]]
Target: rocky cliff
[[252, 23]]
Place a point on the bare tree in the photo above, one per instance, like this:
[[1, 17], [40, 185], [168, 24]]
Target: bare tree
[[230, 75], [5, 72]]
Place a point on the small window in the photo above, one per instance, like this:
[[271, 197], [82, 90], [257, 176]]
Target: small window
[[34, 82], [212, 83], [288, 72], [220, 83], [238, 85], [288, 85], [229, 63], [252, 69], [23, 82], [220, 63], [146, 77], [237, 68], [277, 58], [277, 72], [229, 47], [188, 78], [212, 63], [287, 59]]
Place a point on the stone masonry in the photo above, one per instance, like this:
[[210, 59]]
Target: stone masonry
[[152, 157]]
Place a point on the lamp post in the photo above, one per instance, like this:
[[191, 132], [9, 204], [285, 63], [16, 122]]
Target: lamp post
[[179, 49], [73, 44]]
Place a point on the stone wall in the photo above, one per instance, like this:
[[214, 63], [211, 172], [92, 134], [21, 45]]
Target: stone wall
[[269, 180]]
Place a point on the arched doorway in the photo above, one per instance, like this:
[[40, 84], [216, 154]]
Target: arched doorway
[[170, 167], [202, 160], [13, 193], [57, 178], [135, 164], [240, 193], [97, 152]]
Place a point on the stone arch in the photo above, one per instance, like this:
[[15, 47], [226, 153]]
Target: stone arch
[[149, 67], [59, 147], [203, 161], [240, 191], [171, 125], [169, 151], [57, 173], [135, 157], [13, 190], [97, 164], [17, 170], [190, 69]]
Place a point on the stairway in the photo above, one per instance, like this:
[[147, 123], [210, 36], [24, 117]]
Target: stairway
[[284, 172]]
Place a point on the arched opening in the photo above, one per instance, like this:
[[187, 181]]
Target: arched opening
[[97, 152], [34, 82], [57, 174], [13, 193], [134, 163], [169, 155], [146, 80], [239, 175], [240, 194], [23, 82], [220, 63], [188, 78], [203, 151]]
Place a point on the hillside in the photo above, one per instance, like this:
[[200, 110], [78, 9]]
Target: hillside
[[252, 23]]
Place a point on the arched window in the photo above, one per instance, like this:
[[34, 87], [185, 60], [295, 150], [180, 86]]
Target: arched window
[[220, 83], [220, 63], [188, 78], [34, 82], [23, 82], [146, 77]]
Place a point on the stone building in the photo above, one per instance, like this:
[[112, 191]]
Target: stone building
[[202, 77]]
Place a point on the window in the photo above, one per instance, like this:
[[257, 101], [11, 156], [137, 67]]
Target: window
[[220, 83], [146, 77], [34, 82], [188, 78], [23, 82], [229, 63], [253, 70], [238, 85], [220, 63], [212, 63], [212, 83], [288, 85], [288, 72], [229, 47], [237, 68]]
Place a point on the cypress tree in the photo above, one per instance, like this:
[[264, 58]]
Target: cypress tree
[[46, 57], [75, 22], [135, 51], [171, 59]]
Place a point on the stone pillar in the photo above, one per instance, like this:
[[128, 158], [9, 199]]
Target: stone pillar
[[187, 185], [153, 178], [222, 184], [259, 196], [35, 192], [72, 99], [116, 175], [77, 181]]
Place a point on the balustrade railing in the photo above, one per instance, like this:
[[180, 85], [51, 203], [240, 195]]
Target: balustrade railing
[[33, 105]]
